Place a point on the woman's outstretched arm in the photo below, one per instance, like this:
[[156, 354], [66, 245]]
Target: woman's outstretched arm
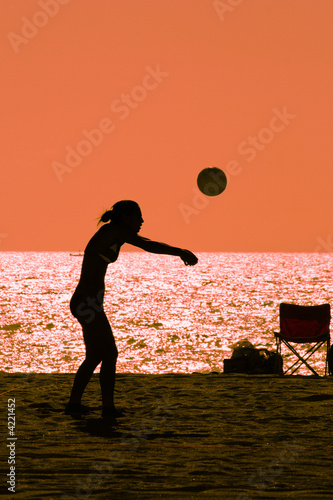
[[187, 257]]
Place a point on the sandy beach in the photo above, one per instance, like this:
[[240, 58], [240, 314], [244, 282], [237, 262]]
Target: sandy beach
[[181, 436]]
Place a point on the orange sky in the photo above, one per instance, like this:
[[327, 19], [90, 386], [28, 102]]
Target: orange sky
[[174, 86]]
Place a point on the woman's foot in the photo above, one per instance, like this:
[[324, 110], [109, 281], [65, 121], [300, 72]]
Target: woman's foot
[[111, 411], [76, 408]]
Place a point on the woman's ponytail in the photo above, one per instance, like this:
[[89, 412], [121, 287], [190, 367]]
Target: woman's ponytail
[[105, 217]]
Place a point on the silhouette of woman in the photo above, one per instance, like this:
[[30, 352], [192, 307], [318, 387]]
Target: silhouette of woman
[[124, 223]]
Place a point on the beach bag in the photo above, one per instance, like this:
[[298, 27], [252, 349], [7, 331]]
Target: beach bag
[[248, 359]]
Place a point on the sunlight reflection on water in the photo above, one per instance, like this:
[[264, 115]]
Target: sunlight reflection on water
[[166, 317]]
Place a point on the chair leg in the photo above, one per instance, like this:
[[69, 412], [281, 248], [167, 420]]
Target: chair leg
[[327, 367], [302, 360], [278, 370]]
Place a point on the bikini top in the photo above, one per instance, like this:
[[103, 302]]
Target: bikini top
[[110, 254]]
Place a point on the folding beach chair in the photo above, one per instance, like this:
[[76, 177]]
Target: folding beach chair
[[304, 325]]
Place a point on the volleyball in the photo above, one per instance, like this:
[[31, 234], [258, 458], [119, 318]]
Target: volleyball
[[212, 181]]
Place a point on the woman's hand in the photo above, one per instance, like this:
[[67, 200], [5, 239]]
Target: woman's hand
[[188, 258]]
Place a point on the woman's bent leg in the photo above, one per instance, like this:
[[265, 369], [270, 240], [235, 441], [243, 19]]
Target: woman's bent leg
[[82, 377], [100, 344], [107, 376], [107, 379]]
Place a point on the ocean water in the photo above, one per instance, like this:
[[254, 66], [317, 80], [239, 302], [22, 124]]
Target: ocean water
[[166, 317]]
